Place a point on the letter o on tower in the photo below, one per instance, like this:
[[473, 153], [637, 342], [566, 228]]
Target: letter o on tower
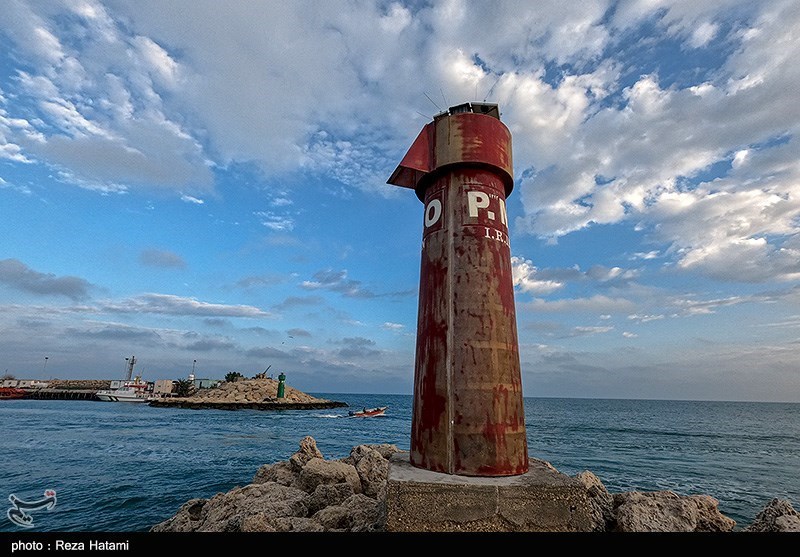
[[433, 212]]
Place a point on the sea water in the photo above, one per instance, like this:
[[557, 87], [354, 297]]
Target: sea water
[[120, 467]]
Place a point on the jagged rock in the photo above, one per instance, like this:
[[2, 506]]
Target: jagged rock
[[777, 516], [601, 501], [273, 499], [259, 522], [264, 522], [356, 453], [545, 464], [326, 495], [308, 450], [358, 513], [787, 524], [665, 511], [349, 495], [318, 471], [709, 519], [365, 513], [386, 450], [334, 517], [297, 524], [187, 519], [373, 471], [280, 472], [231, 511]]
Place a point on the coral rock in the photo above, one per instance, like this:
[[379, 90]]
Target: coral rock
[[777, 516], [665, 511]]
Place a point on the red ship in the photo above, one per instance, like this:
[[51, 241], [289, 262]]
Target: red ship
[[11, 393]]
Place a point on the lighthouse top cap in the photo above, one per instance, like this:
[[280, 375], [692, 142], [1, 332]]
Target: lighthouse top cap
[[490, 109], [469, 133]]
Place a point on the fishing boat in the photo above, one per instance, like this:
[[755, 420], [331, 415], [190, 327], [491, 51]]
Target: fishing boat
[[131, 390], [10, 393], [368, 412]]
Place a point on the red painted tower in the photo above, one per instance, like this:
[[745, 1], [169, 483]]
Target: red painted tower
[[468, 415]]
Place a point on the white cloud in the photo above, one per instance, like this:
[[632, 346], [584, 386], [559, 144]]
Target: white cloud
[[158, 60], [285, 99], [628, 334], [397, 19], [9, 128], [703, 34], [30, 32], [660, 136], [594, 304], [178, 305], [133, 95], [739, 158], [281, 201], [645, 318], [645, 255], [337, 281], [584, 330], [392, 326], [524, 277], [276, 222], [191, 199], [704, 307], [85, 122], [605, 274], [735, 235], [21, 189]]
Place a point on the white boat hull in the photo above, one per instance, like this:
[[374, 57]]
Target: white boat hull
[[118, 396]]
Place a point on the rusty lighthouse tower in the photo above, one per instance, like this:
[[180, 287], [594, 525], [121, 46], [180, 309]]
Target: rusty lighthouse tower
[[468, 416]]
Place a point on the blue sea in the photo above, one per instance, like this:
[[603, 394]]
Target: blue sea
[[120, 467]]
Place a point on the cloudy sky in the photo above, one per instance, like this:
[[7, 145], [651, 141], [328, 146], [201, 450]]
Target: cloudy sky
[[195, 180]]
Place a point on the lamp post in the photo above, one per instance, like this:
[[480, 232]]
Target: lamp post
[[44, 367]]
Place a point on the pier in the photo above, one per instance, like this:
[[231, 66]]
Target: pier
[[60, 394]]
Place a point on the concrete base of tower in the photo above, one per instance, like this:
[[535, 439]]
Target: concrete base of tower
[[542, 500]]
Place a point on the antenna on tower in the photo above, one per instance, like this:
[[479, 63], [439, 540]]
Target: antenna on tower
[[430, 99], [489, 93]]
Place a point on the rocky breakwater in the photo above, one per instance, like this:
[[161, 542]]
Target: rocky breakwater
[[310, 494], [79, 384], [255, 394], [305, 494]]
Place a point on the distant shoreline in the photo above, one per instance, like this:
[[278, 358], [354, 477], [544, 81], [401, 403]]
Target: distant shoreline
[[203, 405]]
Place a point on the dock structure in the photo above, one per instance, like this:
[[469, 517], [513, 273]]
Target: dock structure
[[61, 394]]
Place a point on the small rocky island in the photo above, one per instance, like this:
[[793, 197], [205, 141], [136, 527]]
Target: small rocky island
[[253, 394], [308, 493]]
